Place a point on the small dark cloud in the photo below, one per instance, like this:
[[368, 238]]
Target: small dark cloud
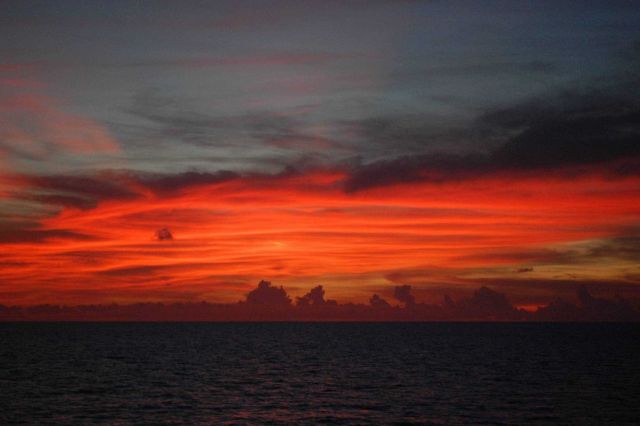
[[524, 270], [164, 234]]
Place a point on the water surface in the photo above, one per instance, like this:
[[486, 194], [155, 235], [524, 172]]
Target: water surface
[[212, 373]]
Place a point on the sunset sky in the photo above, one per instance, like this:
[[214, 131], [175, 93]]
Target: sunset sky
[[183, 151]]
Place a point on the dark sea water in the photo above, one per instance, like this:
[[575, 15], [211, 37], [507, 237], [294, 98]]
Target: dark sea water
[[335, 373]]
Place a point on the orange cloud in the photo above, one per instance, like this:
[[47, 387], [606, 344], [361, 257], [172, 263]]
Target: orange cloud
[[294, 229]]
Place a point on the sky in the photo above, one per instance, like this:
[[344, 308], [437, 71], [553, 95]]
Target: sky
[[184, 151]]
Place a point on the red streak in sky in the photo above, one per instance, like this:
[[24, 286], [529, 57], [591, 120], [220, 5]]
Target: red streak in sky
[[302, 230]]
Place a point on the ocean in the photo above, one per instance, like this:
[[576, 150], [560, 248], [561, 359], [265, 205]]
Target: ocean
[[319, 373]]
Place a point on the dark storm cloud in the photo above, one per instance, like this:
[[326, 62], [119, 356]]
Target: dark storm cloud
[[583, 129], [575, 129]]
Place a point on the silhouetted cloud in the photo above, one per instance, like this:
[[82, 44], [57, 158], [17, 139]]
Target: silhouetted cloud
[[590, 308], [487, 303], [525, 290], [378, 302], [403, 294], [524, 270], [270, 303], [314, 297], [266, 295]]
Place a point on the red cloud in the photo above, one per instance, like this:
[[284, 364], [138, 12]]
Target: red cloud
[[305, 226]]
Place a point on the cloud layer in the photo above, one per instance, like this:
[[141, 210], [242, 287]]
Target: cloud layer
[[231, 229]]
